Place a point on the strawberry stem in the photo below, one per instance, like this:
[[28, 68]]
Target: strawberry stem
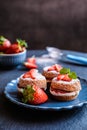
[[2, 39], [28, 94], [21, 42]]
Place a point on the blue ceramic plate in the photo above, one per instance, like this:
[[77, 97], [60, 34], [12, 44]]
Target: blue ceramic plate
[[65, 58], [11, 93]]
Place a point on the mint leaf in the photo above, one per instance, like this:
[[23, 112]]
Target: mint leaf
[[65, 71], [72, 75]]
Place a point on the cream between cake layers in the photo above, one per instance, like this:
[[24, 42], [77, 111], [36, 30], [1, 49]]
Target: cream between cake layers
[[51, 71], [32, 77], [65, 86]]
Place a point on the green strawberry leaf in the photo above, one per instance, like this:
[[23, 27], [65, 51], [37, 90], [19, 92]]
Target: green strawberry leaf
[[2, 39], [22, 43], [28, 94], [65, 71], [72, 75], [2, 53]]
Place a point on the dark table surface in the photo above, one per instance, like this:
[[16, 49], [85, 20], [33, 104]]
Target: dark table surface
[[14, 117]]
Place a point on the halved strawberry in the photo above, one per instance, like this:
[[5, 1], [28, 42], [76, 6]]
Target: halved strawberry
[[30, 74], [26, 75], [51, 68], [60, 76], [33, 73], [31, 60], [30, 65], [67, 78], [34, 95], [56, 67], [63, 77]]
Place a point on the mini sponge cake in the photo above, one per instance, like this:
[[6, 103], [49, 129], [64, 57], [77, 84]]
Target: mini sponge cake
[[64, 88], [51, 71], [32, 77]]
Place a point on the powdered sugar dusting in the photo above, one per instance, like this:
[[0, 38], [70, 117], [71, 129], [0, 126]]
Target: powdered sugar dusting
[[53, 71]]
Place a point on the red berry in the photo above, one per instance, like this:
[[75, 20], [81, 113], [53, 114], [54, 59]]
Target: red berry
[[30, 65], [67, 78], [63, 77], [14, 48], [30, 74], [60, 76], [51, 68], [31, 60], [34, 95], [4, 44], [58, 67], [55, 67]]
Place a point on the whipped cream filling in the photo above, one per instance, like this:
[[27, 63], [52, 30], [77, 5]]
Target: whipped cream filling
[[63, 94], [65, 82]]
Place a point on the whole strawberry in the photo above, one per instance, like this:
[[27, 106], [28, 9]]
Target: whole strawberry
[[18, 46], [4, 44], [34, 95]]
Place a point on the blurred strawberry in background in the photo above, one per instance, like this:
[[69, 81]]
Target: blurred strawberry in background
[[18, 46], [30, 63], [4, 44]]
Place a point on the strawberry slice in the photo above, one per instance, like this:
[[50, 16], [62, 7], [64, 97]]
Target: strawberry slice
[[63, 77], [51, 68], [58, 67], [30, 65], [30, 74], [60, 76], [67, 78], [55, 67], [31, 60], [26, 75], [34, 95], [33, 73]]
